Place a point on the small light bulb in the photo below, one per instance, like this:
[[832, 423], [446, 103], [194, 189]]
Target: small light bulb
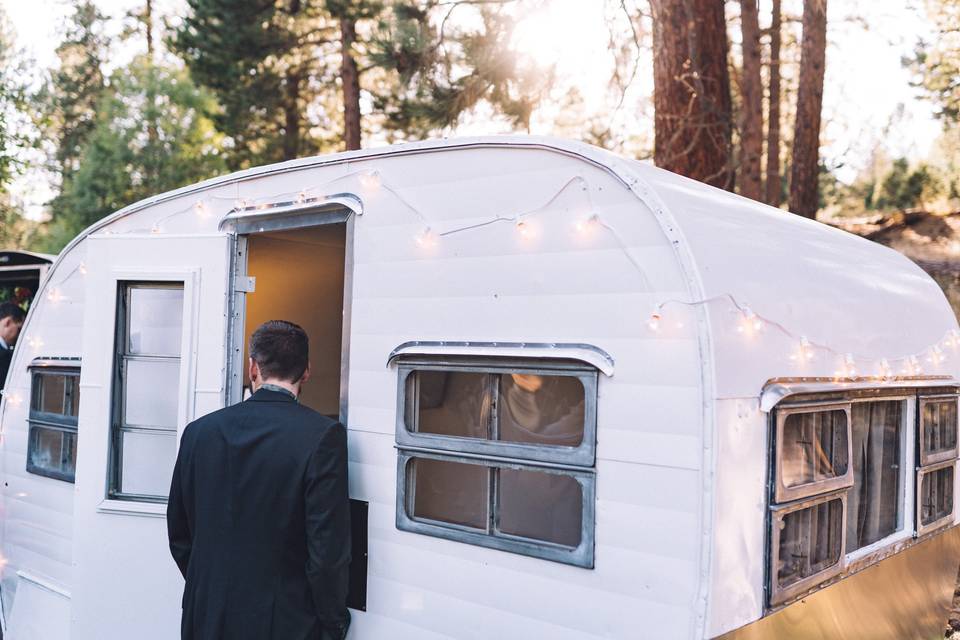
[[953, 339], [884, 369], [15, 399], [155, 229], [804, 351], [35, 343], [201, 210], [370, 180], [82, 268], [750, 322], [588, 224], [54, 295], [240, 204], [654, 322], [426, 238], [301, 197], [523, 229], [936, 355]]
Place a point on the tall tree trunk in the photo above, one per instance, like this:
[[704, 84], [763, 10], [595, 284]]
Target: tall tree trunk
[[148, 22], [350, 77], [751, 92], [804, 173], [692, 90], [291, 114], [773, 112]]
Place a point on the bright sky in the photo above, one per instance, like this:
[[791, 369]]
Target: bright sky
[[865, 84]]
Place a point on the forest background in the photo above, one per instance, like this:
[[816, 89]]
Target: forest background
[[848, 112]]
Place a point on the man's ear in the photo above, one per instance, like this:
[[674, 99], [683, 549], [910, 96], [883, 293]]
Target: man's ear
[[254, 371], [306, 374]]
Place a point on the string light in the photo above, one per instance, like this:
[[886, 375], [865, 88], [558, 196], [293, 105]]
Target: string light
[[201, 210], [82, 268], [35, 343], [54, 295], [654, 322], [936, 355], [912, 367], [370, 180], [848, 367], [302, 196], [588, 225], [523, 229], [750, 323], [885, 370], [15, 399], [804, 351], [427, 238]]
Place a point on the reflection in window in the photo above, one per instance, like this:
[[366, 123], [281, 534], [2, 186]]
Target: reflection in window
[[873, 502], [810, 541], [52, 438], [146, 407], [450, 492], [814, 447], [936, 495], [540, 506], [530, 408]]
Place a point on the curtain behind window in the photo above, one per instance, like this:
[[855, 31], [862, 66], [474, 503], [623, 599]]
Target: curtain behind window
[[873, 501]]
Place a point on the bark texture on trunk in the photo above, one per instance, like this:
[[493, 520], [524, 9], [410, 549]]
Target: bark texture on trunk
[[751, 93], [350, 77], [773, 112], [692, 90], [804, 173], [291, 114]]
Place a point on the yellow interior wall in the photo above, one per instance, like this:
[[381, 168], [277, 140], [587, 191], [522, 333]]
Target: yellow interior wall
[[299, 278]]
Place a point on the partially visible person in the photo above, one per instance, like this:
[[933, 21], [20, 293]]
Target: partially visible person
[[11, 321], [259, 513]]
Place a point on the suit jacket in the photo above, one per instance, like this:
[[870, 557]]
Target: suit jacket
[[259, 523], [6, 356]]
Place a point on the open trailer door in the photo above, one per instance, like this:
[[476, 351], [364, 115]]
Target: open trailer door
[[153, 359]]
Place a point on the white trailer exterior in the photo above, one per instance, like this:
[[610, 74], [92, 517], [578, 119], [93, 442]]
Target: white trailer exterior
[[698, 313]]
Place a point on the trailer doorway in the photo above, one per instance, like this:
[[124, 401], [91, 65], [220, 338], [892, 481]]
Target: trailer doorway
[[299, 276]]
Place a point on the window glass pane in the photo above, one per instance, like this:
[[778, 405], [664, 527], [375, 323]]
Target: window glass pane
[[155, 320], [450, 403], [53, 450], [873, 503], [147, 462], [936, 495], [939, 425], [814, 447], [151, 392], [73, 396], [541, 409], [50, 392], [450, 492], [541, 506], [810, 541]]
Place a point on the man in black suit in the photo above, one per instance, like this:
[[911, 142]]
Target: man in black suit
[[259, 514], [11, 320]]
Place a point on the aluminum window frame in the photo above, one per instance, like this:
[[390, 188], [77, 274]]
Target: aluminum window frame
[[583, 455], [783, 493], [780, 595], [923, 529], [48, 421], [581, 556], [939, 456], [118, 427]]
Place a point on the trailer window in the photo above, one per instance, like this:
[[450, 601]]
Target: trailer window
[[936, 495], [873, 502], [938, 432], [529, 430], [146, 390], [813, 451], [52, 437], [809, 540]]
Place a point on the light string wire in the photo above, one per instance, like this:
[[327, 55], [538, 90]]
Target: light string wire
[[750, 322]]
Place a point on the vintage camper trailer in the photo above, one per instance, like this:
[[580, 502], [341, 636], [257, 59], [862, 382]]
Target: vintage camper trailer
[[586, 398]]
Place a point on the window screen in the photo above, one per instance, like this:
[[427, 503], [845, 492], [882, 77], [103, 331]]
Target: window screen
[[146, 389], [52, 437], [809, 541], [873, 502]]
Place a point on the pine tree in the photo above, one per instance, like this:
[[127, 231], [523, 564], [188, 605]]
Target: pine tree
[[68, 100]]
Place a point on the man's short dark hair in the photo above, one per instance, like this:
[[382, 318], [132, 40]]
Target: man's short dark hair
[[12, 311], [281, 349]]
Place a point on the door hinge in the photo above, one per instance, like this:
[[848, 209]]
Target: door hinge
[[246, 284]]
